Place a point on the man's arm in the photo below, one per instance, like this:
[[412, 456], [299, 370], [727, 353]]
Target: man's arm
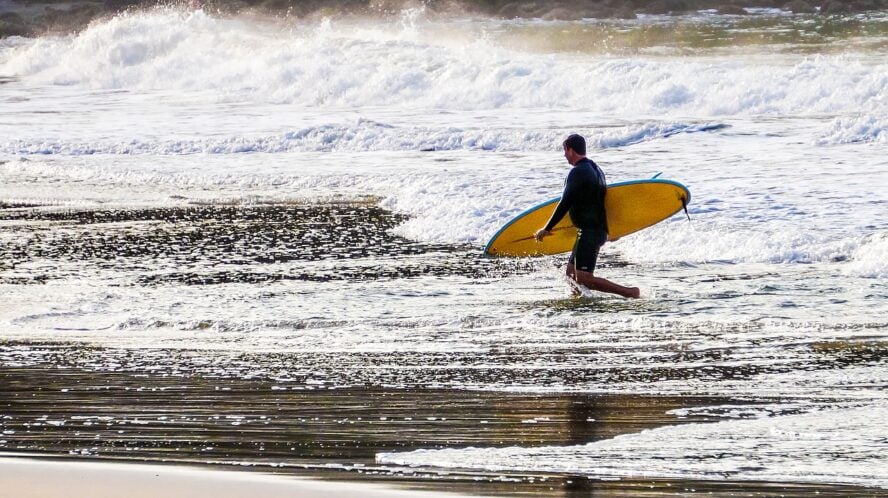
[[560, 210], [567, 199]]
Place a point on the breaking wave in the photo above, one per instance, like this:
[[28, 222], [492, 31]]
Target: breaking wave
[[433, 65]]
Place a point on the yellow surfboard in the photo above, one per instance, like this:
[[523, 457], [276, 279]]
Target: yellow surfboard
[[630, 206]]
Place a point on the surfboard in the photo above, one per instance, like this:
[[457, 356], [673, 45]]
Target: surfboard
[[630, 206]]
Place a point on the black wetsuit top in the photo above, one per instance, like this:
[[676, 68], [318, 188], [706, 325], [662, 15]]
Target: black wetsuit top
[[583, 197]]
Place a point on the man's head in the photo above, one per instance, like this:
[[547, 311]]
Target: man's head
[[574, 148]]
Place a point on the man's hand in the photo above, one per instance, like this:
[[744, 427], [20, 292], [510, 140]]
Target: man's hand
[[542, 232]]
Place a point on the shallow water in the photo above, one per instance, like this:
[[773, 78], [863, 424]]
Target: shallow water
[[192, 203]]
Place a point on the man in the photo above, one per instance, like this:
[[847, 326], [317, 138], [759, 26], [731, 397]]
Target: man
[[583, 197]]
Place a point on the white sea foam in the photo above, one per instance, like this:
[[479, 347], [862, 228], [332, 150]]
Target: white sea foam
[[870, 257], [362, 135], [862, 255], [859, 129], [844, 445]]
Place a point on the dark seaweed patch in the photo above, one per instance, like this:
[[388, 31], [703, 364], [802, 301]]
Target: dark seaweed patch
[[207, 245]]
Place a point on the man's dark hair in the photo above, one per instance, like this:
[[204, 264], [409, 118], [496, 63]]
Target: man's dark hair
[[577, 143]]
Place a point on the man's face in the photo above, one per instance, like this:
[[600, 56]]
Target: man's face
[[570, 155]]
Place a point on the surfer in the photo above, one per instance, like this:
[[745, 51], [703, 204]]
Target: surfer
[[583, 197]]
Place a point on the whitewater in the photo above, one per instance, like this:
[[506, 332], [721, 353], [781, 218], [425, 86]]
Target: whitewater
[[416, 138]]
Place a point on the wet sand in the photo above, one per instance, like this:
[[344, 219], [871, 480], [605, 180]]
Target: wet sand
[[331, 434]]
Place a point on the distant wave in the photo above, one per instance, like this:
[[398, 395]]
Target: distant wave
[[364, 135], [429, 65], [75, 14]]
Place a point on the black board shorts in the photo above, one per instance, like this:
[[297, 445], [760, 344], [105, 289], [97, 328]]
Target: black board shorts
[[586, 248]]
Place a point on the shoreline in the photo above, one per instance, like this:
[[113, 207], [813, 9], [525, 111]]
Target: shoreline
[[67, 415], [74, 478]]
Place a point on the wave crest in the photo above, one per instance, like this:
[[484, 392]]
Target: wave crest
[[364, 135]]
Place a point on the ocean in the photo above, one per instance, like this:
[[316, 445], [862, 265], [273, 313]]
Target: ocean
[[255, 241]]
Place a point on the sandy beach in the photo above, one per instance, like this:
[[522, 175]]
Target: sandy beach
[[46, 478]]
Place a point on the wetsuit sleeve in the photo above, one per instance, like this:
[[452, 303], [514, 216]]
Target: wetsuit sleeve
[[567, 200]]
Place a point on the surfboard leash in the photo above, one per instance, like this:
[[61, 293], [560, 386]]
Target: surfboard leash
[[684, 205]]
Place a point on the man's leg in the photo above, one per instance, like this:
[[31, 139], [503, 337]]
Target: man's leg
[[599, 284], [574, 286], [582, 263]]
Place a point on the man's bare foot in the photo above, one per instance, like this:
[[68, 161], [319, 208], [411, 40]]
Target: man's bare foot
[[634, 293]]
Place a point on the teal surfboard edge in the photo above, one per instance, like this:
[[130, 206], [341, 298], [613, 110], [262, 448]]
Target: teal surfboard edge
[[551, 201], [513, 220]]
